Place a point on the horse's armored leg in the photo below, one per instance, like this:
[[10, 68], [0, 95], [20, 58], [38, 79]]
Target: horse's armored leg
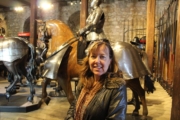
[[44, 84], [27, 73], [44, 96], [132, 100], [135, 85], [13, 79], [141, 93], [32, 90], [137, 104], [66, 86], [145, 110], [11, 86]]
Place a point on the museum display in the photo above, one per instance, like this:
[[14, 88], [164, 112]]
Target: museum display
[[68, 67], [14, 53], [18, 57]]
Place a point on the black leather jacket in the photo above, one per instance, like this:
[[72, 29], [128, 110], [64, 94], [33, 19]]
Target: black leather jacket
[[110, 103]]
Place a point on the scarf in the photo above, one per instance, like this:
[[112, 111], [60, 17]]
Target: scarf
[[84, 99]]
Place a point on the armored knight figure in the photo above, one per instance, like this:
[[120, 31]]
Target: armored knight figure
[[93, 29], [140, 45], [94, 23]]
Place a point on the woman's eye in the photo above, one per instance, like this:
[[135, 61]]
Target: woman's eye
[[102, 57], [93, 56]]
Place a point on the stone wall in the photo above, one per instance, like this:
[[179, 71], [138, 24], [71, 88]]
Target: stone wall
[[15, 21], [122, 17], [125, 20]]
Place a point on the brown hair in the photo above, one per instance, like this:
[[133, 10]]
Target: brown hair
[[86, 76]]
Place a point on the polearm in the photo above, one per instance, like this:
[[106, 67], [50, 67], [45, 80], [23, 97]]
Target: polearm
[[161, 45], [159, 48], [173, 30]]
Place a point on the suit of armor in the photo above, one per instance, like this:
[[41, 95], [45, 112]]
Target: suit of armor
[[94, 23], [140, 47], [93, 29], [129, 61]]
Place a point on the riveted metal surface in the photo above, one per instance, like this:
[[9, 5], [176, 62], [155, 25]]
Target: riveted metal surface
[[129, 60], [12, 49], [52, 64]]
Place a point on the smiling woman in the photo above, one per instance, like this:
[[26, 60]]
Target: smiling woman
[[102, 90], [99, 61]]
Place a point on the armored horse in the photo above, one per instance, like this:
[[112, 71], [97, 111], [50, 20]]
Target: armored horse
[[62, 63], [17, 55]]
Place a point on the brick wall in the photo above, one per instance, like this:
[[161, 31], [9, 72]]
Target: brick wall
[[122, 17], [15, 21]]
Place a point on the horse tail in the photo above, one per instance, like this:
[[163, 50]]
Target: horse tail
[[31, 63], [149, 84]]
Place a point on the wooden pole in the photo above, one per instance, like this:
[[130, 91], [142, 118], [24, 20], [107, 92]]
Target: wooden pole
[[150, 31], [33, 24], [175, 111], [83, 13]]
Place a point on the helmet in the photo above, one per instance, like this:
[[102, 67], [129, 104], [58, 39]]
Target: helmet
[[135, 41], [143, 40], [95, 3], [140, 43]]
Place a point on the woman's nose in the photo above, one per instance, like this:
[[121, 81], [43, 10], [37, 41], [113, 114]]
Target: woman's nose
[[97, 59]]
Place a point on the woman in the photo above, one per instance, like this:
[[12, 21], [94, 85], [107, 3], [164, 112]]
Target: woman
[[103, 91]]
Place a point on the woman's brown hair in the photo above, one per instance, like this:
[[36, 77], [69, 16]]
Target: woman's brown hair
[[86, 76]]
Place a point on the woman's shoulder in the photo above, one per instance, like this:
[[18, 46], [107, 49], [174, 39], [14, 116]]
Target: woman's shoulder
[[116, 82]]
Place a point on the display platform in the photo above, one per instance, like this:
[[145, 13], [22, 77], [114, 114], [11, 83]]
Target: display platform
[[18, 103]]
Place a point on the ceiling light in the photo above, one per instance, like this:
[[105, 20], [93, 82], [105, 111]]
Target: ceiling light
[[46, 6], [18, 8]]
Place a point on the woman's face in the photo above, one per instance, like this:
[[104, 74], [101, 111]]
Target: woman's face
[[99, 61]]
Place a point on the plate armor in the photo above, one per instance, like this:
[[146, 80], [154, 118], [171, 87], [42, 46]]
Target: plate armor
[[129, 61], [94, 23], [10, 50]]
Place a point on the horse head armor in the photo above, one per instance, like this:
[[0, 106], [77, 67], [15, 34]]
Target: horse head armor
[[43, 33]]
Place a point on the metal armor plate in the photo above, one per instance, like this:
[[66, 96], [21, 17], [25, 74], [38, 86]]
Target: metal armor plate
[[129, 61], [96, 21], [12, 49], [95, 36], [52, 64]]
